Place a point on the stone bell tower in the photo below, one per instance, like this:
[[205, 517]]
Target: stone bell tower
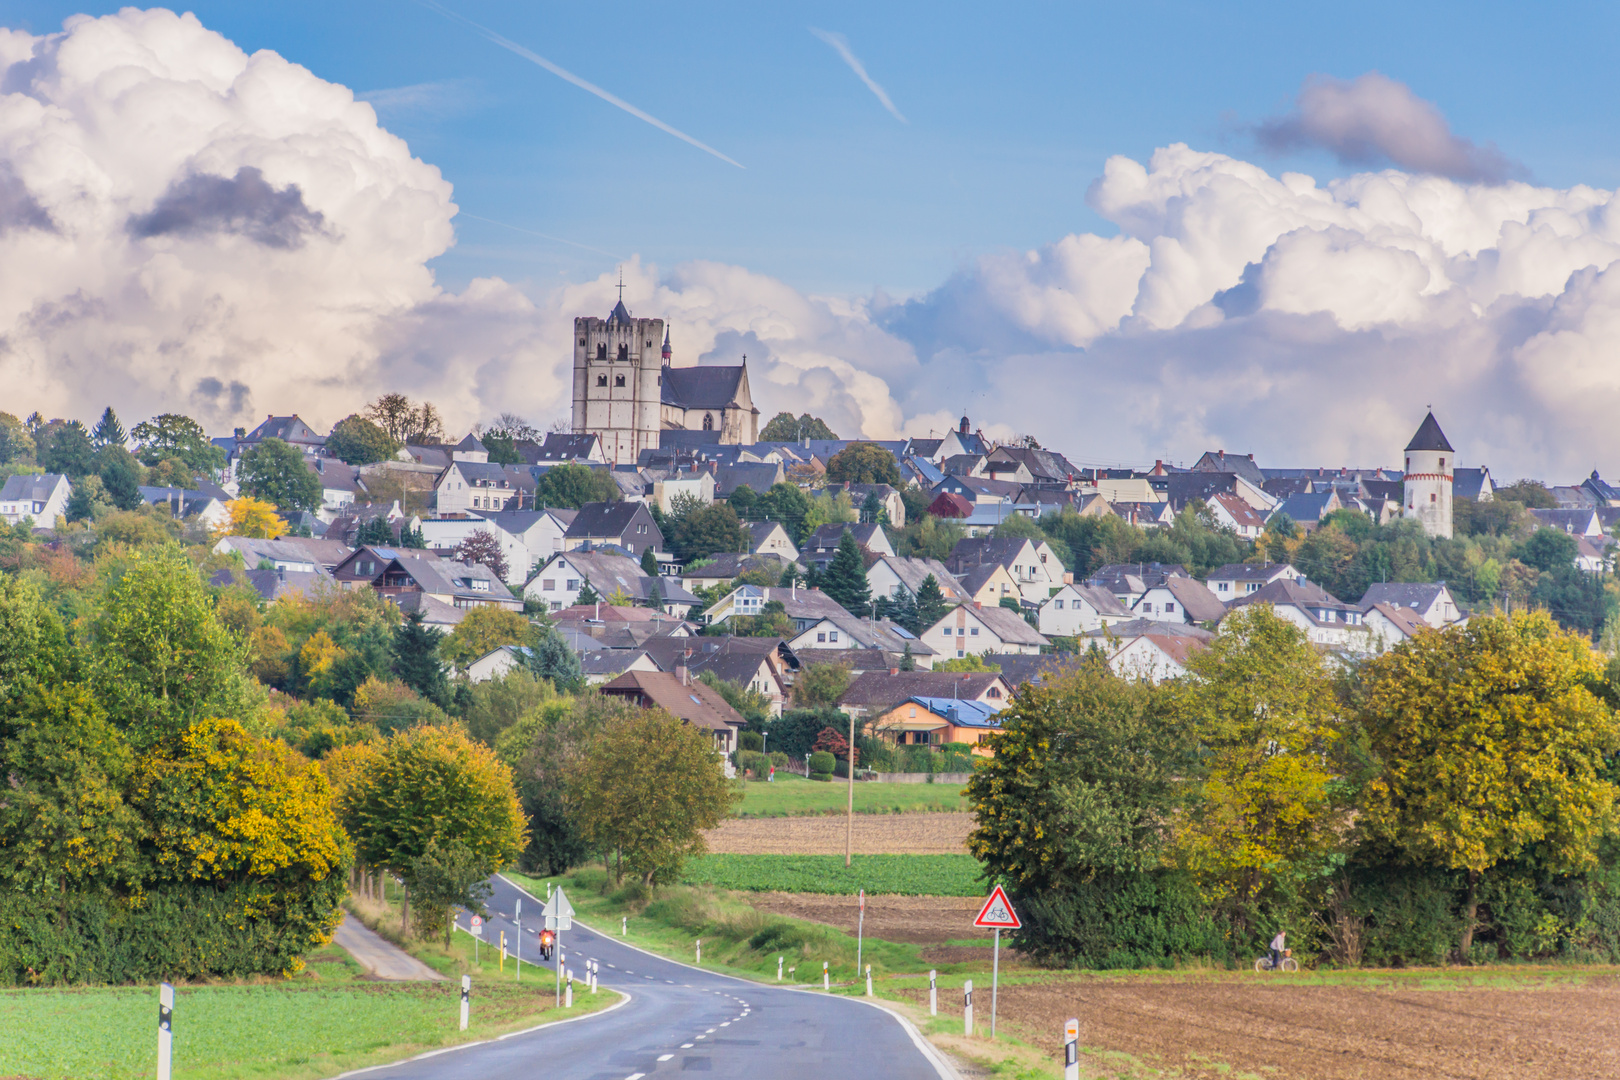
[[1430, 461], [618, 379]]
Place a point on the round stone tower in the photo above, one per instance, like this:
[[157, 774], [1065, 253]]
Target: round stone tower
[[1429, 463]]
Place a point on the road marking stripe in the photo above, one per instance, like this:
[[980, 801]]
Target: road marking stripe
[[665, 1057]]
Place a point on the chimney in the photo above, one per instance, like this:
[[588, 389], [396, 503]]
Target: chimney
[[682, 674], [894, 671], [977, 605]]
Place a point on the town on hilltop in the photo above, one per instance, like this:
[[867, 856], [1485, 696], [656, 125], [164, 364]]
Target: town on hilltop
[[667, 533]]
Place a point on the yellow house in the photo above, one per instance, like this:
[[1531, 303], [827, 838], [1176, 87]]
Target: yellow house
[[988, 583], [931, 721]]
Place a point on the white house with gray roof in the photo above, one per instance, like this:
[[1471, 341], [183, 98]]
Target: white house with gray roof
[[968, 630], [1080, 609], [1432, 601], [1240, 579], [41, 498]]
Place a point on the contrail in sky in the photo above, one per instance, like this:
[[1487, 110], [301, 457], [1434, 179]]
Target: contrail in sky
[[544, 236], [839, 42], [564, 73]]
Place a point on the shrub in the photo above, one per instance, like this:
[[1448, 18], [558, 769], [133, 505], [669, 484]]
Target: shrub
[[822, 762], [780, 760], [821, 777], [751, 740]]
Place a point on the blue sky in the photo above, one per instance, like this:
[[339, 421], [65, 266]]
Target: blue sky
[[1012, 111]]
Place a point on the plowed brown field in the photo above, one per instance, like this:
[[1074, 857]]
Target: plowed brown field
[[1221, 1026], [875, 834], [919, 920]]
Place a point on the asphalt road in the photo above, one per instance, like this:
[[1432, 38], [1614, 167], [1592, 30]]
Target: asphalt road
[[680, 1020]]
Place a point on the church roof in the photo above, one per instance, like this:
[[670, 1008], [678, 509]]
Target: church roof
[[620, 313], [1429, 436], [702, 387]]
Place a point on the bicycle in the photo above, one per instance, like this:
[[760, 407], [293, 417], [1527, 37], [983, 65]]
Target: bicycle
[[1287, 963]]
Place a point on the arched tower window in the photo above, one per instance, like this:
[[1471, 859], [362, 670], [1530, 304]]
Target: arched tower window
[[618, 380], [601, 380], [601, 350], [708, 421], [624, 351]]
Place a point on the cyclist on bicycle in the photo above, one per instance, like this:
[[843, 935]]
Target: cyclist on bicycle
[[1278, 944]]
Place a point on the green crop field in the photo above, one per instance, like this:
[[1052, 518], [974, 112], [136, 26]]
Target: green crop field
[[321, 1023], [910, 875], [789, 795]]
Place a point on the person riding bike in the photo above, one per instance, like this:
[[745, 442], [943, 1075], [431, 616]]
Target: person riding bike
[[1278, 944]]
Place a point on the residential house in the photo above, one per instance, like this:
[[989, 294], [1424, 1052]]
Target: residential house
[[1594, 555], [562, 448], [724, 567], [949, 504], [859, 660], [1128, 581], [480, 485], [842, 632], [803, 607], [497, 662], [1080, 609], [273, 585], [1179, 600], [1033, 565], [771, 537], [41, 497], [1240, 579], [695, 484], [1576, 521], [1231, 512], [1144, 515], [1389, 624], [961, 441], [682, 696], [764, 665], [758, 476], [627, 525], [1432, 601], [526, 537], [279, 555], [1325, 619], [933, 721], [1476, 484], [1240, 465], [1307, 511], [988, 583], [820, 546], [876, 692], [893, 577], [1183, 488], [1128, 489], [419, 580], [188, 502], [339, 485], [892, 503], [561, 579], [289, 429], [1157, 654], [970, 630], [1020, 668], [1044, 467], [326, 552]]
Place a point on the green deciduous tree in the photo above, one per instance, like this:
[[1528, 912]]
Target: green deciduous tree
[[485, 628], [483, 547], [820, 685], [172, 435], [648, 788], [845, 580], [706, 530], [1265, 810], [16, 443], [444, 877], [864, 463], [784, 427], [275, 472], [357, 441], [121, 475], [1491, 746], [404, 422], [572, 485]]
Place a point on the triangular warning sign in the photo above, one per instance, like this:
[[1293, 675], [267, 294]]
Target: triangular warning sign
[[998, 912]]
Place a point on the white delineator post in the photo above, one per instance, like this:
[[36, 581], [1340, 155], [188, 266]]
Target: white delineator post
[[165, 1031], [933, 995], [826, 980], [466, 996], [568, 994], [967, 1007], [624, 926], [778, 969], [700, 950], [1071, 1050], [868, 980]]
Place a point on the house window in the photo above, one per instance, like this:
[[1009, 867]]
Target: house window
[[832, 635], [1442, 463], [959, 654], [573, 585], [708, 421], [821, 638], [601, 380], [618, 380], [548, 585], [975, 631], [1058, 604], [1169, 609], [1433, 497], [993, 692]]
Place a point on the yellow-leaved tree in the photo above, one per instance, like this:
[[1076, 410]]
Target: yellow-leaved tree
[[1263, 809], [251, 517], [1491, 745], [484, 629]]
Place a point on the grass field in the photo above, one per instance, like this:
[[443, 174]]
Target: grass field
[[789, 795], [327, 1020], [906, 875]]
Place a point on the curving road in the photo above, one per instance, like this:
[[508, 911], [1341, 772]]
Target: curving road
[[681, 1019]]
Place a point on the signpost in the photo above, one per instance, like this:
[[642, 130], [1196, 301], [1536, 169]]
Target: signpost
[[998, 915], [559, 914], [478, 934], [860, 931]]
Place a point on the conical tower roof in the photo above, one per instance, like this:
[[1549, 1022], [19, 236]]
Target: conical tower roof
[[620, 313], [1429, 436]]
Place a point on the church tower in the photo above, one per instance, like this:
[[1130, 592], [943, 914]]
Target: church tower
[[618, 380], [1429, 463]]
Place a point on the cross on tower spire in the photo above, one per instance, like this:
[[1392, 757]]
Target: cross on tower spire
[[621, 284]]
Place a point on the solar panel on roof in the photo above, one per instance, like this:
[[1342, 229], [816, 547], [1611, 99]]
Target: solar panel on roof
[[387, 553]]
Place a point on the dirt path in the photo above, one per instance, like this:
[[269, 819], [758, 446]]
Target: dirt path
[[875, 834], [379, 956], [1266, 1027]]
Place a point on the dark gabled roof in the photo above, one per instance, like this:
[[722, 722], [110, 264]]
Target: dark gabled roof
[[1219, 461], [289, 429], [759, 476], [560, 446], [828, 537], [733, 659], [1429, 436], [35, 488], [971, 551], [924, 447], [1305, 508], [471, 443], [696, 703], [725, 565], [881, 690], [1403, 594], [1246, 572], [1021, 668], [1197, 602], [604, 519], [1395, 490], [707, 386], [1182, 488]]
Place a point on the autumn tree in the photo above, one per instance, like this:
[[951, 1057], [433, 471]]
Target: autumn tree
[[648, 788], [433, 784], [484, 629], [863, 463], [820, 684], [358, 441], [482, 546], [1491, 746], [251, 517], [1263, 808], [172, 435], [275, 471]]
